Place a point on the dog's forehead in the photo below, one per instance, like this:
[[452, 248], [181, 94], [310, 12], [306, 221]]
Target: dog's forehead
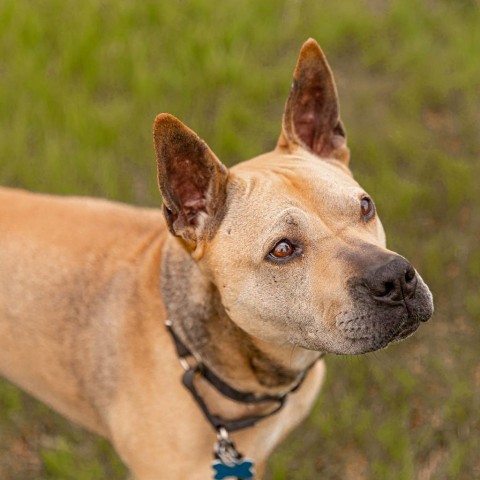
[[272, 181]]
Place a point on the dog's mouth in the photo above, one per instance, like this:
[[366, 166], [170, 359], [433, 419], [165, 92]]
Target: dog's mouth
[[368, 333], [406, 330]]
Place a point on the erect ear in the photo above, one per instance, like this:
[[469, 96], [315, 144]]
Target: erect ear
[[191, 179], [312, 115]]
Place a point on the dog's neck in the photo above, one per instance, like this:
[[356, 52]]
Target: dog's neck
[[195, 309]]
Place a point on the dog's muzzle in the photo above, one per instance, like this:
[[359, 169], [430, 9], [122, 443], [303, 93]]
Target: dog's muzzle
[[389, 300]]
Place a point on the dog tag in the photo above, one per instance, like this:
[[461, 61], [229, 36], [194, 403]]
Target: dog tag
[[228, 462], [241, 470]]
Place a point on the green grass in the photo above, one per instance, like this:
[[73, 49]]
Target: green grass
[[80, 84]]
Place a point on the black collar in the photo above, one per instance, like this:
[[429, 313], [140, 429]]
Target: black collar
[[200, 369]]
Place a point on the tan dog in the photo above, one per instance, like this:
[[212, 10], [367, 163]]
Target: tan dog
[[270, 263]]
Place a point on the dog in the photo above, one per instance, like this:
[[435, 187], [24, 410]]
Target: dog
[[240, 286]]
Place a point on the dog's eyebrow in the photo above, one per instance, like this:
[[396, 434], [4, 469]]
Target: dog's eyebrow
[[290, 219], [290, 215]]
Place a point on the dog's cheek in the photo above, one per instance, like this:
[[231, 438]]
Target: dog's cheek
[[265, 307]]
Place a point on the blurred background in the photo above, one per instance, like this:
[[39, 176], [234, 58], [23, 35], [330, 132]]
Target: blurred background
[[80, 85]]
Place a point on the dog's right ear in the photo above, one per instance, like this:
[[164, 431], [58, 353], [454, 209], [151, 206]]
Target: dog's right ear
[[311, 118], [192, 180]]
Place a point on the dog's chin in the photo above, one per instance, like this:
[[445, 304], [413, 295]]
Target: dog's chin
[[378, 340]]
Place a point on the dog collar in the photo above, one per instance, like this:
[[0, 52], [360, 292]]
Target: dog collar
[[199, 369]]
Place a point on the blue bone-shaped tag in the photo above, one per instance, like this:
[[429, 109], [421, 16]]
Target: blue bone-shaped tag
[[241, 470]]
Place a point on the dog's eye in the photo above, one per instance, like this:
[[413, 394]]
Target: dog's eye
[[282, 250], [368, 208]]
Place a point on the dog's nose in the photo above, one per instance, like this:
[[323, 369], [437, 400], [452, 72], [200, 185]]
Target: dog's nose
[[392, 282]]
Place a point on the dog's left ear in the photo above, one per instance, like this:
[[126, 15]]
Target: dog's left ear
[[312, 115], [191, 179]]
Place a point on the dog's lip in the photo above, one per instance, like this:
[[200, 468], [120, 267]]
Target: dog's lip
[[379, 340], [408, 328]]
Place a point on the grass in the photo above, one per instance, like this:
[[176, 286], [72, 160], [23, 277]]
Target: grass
[[80, 84]]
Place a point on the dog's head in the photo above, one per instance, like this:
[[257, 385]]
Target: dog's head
[[293, 244]]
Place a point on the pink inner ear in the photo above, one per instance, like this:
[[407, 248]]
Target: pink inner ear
[[315, 117], [193, 206], [190, 188]]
